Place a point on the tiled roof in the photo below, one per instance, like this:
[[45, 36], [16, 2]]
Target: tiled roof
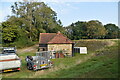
[[59, 38], [54, 38], [46, 37]]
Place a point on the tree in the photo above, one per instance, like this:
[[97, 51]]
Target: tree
[[35, 18], [95, 29], [77, 30], [86, 30], [10, 32], [112, 30]]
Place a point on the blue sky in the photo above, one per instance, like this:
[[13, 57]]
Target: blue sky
[[70, 12]]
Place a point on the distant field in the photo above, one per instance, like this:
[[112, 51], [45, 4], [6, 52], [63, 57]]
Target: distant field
[[100, 62]]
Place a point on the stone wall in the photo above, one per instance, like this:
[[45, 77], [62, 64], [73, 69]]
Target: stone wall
[[57, 47]]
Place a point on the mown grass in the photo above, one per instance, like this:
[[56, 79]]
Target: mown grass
[[100, 62]]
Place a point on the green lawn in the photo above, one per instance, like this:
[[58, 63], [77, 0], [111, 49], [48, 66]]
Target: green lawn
[[100, 62]]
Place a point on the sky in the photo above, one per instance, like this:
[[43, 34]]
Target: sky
[[72, 11]]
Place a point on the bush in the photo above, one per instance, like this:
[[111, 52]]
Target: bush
[[23, 42]]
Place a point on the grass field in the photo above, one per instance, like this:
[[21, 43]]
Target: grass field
[[100, 62]]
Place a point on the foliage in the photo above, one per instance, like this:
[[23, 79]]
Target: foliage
[[23, 40], [77, 30], [112, 30], [95, 29], [91, 30], [10, 32], [29, 19], [12, 35], [35, 18]]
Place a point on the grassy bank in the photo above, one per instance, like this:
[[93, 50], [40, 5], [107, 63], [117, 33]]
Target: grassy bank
[[100, 62], [104, 65]]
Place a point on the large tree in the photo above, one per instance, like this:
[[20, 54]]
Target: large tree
[[112, 30], [95, 29], [77, 30], [36, 17]]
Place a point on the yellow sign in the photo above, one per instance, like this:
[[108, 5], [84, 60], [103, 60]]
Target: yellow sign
[[43, 65], [7, 70]]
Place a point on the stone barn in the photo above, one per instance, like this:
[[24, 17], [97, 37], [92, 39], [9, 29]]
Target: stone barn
[[56, 42]]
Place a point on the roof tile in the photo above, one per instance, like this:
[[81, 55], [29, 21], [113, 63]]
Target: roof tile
[[46, 37], [53, 38]]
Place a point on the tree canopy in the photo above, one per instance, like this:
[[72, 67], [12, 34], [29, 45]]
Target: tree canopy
[[93, 29], [28, 20], [112, 31], [35, 18]]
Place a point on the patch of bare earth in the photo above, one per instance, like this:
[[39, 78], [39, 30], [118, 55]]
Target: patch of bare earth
[[28, 49]]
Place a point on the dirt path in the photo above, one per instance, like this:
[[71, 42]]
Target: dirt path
[[28, 49]]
